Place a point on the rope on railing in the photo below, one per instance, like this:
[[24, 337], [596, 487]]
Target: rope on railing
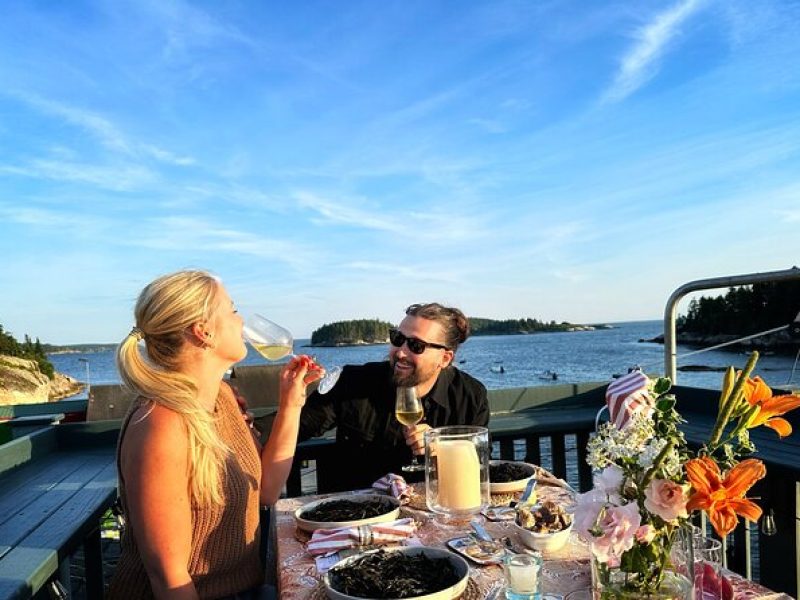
[[736, 341], [723, 344], [794, 366]]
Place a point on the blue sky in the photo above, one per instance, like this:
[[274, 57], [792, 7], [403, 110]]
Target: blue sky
[[332, 160]]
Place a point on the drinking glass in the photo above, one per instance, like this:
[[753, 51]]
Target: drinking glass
[[707, 568], [408, 410], [522, 576], [273, 342]]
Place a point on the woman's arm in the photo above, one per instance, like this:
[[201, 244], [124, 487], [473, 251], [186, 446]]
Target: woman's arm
[[278, 452], [155, 466]]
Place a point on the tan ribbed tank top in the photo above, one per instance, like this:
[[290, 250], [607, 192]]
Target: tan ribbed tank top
[[225, 539]]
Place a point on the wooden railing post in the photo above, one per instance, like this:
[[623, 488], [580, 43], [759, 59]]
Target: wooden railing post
[[93, 565], [584, 470], [558, 450]]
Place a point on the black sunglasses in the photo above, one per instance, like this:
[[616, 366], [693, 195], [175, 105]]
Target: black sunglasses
[[416, 345]]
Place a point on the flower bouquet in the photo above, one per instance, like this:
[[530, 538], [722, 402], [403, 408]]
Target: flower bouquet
[[647, 482]]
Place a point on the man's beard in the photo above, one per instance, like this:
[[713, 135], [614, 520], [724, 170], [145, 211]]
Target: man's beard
[[411, 378]]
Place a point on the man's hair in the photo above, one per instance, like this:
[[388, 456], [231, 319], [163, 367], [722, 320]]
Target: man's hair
[[452, 320]]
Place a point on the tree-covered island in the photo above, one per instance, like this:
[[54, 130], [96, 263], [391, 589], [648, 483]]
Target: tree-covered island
[[742, 311], [374, 331], [352, 333]]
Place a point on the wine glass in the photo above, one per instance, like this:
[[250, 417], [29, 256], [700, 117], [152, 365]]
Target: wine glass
[[273, 342], [408, 410]]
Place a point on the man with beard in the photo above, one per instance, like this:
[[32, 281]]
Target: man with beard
[[370, 442]]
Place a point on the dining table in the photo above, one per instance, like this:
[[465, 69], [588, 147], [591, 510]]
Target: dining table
[[565, 573]]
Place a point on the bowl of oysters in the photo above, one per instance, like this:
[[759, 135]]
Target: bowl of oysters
[[544, 527]]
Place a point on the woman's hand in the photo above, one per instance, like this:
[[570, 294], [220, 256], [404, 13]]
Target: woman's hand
[[295, 377]]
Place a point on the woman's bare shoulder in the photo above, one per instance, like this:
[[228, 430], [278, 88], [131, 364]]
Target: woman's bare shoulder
[[153, 423]]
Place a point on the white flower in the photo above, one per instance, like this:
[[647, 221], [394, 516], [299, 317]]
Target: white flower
[[609, 480]]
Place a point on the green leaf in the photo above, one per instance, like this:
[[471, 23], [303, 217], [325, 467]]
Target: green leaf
[[665, 404], [662, 385]]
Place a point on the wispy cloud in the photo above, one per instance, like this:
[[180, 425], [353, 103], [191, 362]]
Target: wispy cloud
[[110, 177], [99, 127], [400, 272], [192, 234], [642, 61], [166, 156], [488, 125], [64, 220], [434, 225], [108, 134], [334, 212]]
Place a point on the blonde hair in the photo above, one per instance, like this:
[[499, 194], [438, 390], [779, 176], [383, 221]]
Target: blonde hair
[[164, 311]]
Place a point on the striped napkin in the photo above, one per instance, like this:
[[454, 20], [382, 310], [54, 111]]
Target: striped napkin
[[327, 541], [628, 396], [394, 485]]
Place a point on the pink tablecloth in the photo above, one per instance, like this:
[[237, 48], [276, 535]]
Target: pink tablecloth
[[565, 572]]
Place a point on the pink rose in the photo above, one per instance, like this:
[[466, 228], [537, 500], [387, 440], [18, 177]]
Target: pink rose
[[587, 510], [666, 499], [645, 534], [619, 525]]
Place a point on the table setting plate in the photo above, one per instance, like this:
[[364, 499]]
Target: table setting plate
[[310, 526], [517, 485], [449, 593]]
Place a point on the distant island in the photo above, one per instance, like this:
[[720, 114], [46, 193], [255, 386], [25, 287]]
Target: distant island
[[359, 332], [352, 333], [480, 326], [740, 312], [77, 348]]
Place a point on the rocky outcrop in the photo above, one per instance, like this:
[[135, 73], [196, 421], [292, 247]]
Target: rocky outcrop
[[780, 342], [21, 382]]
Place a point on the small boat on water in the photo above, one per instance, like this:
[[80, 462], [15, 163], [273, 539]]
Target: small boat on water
[[549, 375]]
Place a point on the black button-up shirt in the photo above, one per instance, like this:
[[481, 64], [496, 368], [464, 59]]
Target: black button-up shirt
[[369, 440]]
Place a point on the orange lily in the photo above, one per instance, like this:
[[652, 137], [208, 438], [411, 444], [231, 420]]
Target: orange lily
[[759, 394], [723, 499]]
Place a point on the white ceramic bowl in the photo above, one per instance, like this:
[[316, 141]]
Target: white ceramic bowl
[[454, 591], [508, 487], [544, 542], [311, 526]]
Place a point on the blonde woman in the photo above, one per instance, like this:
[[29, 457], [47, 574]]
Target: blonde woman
[[190, 476]]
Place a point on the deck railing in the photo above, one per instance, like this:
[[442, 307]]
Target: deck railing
[[551, 426]]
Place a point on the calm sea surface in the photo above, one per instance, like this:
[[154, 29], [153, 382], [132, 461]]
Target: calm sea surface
[[576, 357]]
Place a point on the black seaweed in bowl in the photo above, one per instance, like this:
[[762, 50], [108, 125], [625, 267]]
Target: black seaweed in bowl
[[393, 575], [509, 471], [340, 510]]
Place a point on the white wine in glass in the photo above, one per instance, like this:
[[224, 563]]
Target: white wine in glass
[[408, 411], [273, 342], [272, 352]]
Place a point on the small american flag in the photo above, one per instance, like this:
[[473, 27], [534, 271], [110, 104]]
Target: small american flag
[[628, 396]]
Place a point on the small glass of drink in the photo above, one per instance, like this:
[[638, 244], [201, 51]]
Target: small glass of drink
[[522, 576]]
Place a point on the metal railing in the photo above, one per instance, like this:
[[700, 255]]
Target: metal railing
[[671, 310]]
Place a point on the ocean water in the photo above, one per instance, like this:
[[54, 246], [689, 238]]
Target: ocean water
[[581, 356]]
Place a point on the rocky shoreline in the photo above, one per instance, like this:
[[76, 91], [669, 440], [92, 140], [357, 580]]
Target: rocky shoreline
[[21, 382], [779, 343]]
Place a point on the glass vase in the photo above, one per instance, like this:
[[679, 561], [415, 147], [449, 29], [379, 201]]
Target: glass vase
[[675, 583], [457, 471], [614, 584]]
